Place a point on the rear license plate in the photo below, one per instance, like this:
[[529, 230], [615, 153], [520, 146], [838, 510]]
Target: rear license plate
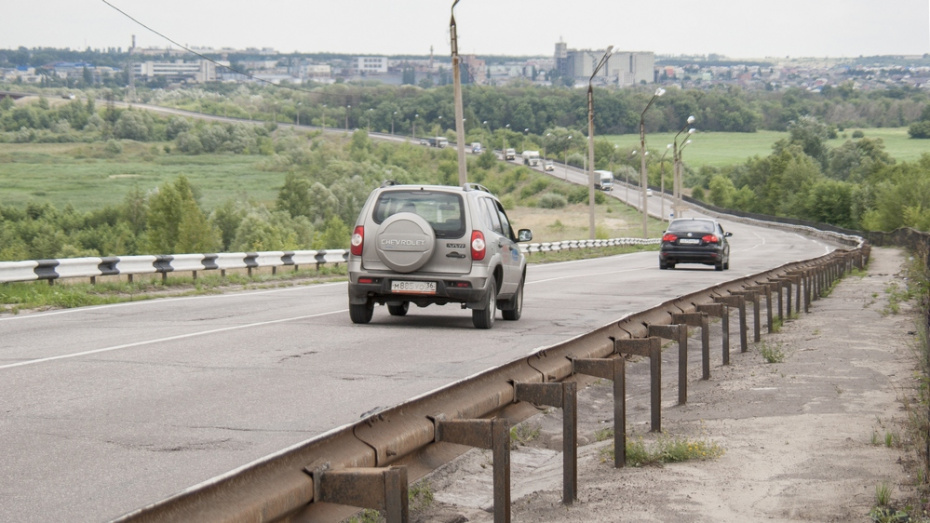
[[689, 241], [413, 287]]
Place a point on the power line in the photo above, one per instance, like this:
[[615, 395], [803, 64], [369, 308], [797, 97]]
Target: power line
[[201, 56]]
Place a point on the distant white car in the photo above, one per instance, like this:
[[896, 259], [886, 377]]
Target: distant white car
[[548, 166], [648, 192]]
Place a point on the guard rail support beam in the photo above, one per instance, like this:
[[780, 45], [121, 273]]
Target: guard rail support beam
[[680, 334], [613, 369], [720, 310], [766, 288], [562, 395], [740, 303], [698, 319], [382, 489], [492, 434], [651, 347], [753, 296]]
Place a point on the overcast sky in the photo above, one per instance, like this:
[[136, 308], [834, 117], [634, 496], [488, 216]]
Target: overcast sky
[[735, 28]]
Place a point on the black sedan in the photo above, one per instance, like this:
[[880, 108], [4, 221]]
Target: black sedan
[[695, 240]]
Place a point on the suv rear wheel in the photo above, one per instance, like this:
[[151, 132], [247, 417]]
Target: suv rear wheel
[[484, 319], [361, 313]]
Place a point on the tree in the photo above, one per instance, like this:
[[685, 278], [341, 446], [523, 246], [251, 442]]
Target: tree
[[294, 196], [176, 224], [131, 125]]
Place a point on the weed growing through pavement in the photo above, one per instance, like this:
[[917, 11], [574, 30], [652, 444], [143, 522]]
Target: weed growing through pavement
[[882, 494], [603, 434], [523, 433], [772, 354], [420, 496], [668, 449], [777, 324]]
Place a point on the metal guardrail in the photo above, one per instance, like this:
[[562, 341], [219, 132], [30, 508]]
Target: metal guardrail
[[92, 267], [367, 464]]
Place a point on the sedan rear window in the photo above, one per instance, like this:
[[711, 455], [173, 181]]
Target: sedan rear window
[[691, 225]]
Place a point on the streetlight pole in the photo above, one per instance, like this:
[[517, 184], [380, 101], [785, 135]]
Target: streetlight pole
[[632, 154], [662, 180], [565, 156], [392, 121], [644, 179], [298, 114], [324, 117], [369, 119], [416, 116], [676, 154], [347, 116], [597, 68], [457, 98]]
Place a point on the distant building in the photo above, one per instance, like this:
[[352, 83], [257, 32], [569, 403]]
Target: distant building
[[623, 68], [474, 70], [197, 71], [372, 64]]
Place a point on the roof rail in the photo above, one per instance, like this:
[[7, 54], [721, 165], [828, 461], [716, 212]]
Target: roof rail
[[388, 183], [476, 187]]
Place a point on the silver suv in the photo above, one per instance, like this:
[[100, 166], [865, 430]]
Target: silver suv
[[433, 245]]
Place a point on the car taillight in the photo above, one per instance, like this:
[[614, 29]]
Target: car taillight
[[711, 238], [669, 237], [478, 247], [358, 240]]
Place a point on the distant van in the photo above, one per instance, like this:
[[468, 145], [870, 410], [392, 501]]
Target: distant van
[[603, 180], [438, 141]]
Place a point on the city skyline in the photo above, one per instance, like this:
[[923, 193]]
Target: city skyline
[[795, 28]]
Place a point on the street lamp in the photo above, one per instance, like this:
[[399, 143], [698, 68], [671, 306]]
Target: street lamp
[[415, 117], [392, 121], [642, 149], [298, 114], [677, 166], [597, 69], [347, 116]]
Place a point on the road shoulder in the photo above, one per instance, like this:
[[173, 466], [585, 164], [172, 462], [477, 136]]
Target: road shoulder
[[803, 439]]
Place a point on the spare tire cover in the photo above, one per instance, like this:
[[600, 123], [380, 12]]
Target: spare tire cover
[[405, 242]]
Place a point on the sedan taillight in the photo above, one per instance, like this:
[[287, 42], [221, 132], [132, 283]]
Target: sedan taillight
[[478, 247], [358, 240], [711, 238], [669, 237]]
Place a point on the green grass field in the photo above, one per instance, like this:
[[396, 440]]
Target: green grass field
[[722, 149], [84, 177]]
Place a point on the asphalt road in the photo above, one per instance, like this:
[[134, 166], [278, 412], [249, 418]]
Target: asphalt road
[[105, 409]]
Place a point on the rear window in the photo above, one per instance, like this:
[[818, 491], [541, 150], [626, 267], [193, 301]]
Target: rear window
[[444, 211], [691, 225]]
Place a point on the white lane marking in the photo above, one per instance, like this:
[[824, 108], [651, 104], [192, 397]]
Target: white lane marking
[[169, 338], [155, 301]]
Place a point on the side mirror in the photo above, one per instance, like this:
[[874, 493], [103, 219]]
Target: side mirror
[[728, 234], [524, 235]]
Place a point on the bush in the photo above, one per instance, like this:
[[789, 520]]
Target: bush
[[552, 201]]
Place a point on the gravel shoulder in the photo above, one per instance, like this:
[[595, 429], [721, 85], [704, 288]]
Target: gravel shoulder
[[804, 439]]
